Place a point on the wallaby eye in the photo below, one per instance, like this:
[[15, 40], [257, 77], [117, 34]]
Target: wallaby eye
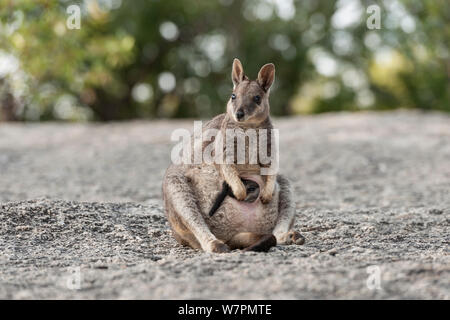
[[233, 96], [257, 99]]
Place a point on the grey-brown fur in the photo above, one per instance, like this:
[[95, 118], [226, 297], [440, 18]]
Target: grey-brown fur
[[189, 190]]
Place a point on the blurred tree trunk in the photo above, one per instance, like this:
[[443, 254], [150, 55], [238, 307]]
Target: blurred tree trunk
[[7, 103]]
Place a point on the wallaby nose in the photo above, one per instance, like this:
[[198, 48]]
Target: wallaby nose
[[240, 114]]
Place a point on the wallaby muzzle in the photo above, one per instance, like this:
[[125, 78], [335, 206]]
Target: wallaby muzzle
[[240, 115]]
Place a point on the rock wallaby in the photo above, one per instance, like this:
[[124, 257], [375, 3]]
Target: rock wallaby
[[190, 191]]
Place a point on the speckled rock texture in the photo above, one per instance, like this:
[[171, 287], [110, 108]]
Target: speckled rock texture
[[81, 214]]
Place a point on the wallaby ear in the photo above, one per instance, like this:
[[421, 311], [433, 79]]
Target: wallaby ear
[[266, 76], [237, 74]]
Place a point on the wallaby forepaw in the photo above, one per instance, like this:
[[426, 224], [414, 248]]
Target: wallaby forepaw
[[239, 192], [266, 196], [266, 199], [291, 237], [217, 246]]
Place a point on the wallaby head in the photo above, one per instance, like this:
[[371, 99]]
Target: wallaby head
[[249, 102]]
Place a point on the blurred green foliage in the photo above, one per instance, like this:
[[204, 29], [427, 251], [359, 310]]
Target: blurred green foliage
[[154, 58]]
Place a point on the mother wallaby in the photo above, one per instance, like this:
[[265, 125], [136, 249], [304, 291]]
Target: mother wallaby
[[189, 190]]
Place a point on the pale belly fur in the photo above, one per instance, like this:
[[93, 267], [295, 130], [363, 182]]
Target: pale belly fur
[[233, 216]]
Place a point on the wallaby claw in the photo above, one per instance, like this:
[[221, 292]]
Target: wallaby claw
[[291, 237], [217, 246], [266, 197]]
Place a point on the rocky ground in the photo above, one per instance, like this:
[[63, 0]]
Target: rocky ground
[[81, 213]]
